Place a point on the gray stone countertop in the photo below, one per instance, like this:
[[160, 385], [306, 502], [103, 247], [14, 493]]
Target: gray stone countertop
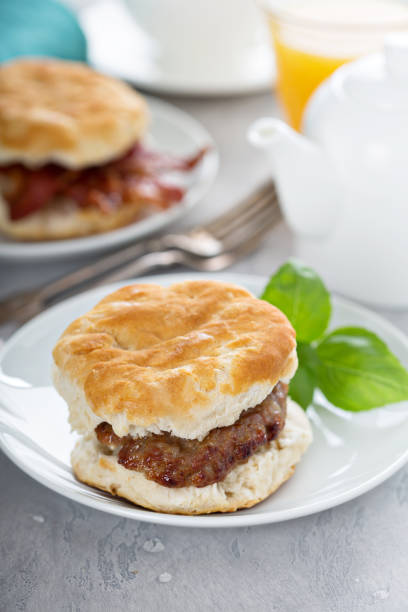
[[58, 555]]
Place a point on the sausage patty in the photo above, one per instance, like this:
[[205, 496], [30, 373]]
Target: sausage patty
[[178, 462]]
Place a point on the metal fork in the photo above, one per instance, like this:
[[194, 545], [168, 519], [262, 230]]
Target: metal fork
[[211, 247]]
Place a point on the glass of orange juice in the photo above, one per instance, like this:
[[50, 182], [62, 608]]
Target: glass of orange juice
[[314, 37]]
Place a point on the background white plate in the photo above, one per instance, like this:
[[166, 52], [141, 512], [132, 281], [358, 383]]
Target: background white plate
[[171, 130], [117, 46], [351, 453]]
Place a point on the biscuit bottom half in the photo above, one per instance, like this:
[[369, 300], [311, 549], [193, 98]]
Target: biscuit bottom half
[[244, 486]]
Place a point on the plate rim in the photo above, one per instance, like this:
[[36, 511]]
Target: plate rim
[[72, 248], [217, 520]]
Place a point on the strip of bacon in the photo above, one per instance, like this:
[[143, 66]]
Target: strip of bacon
[[146, 161], [135, 176], [35, 187]]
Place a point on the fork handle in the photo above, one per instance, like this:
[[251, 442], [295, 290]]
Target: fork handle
[[36, 301], [103, 266], [145, 263], [183, 242], [95, 273]]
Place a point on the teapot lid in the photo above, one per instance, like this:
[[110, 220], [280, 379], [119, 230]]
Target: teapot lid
[[379, 80]]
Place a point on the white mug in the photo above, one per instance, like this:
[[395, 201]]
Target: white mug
[[200, 36]]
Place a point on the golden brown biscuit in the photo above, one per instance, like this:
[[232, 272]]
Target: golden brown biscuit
[[64, 112], [184, 359]]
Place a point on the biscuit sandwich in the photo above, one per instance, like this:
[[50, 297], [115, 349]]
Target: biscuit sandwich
[[72, 161], [180, 396]]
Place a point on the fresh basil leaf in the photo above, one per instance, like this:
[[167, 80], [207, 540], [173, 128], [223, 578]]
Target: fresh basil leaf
[[303, 384], [356, 370], [302, 387], [299, 292]]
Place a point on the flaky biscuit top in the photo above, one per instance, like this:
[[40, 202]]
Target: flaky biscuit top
[[185, 358], [65, 112]]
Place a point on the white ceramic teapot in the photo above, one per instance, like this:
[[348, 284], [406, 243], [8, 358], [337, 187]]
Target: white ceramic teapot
[[344, 183]]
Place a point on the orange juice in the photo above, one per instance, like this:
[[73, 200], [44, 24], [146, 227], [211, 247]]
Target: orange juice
[[312, 38], [299, 73]]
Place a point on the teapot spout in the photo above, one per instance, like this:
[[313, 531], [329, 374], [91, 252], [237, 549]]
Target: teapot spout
[[306, 181]]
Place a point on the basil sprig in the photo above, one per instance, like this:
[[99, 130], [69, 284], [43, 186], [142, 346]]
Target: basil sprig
[[351, 366]]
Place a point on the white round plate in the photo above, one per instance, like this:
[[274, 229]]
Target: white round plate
[[117, 46], [171, 130], [351, 453]]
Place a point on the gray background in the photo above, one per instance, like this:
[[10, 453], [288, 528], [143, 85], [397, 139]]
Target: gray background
[[57, 555]]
